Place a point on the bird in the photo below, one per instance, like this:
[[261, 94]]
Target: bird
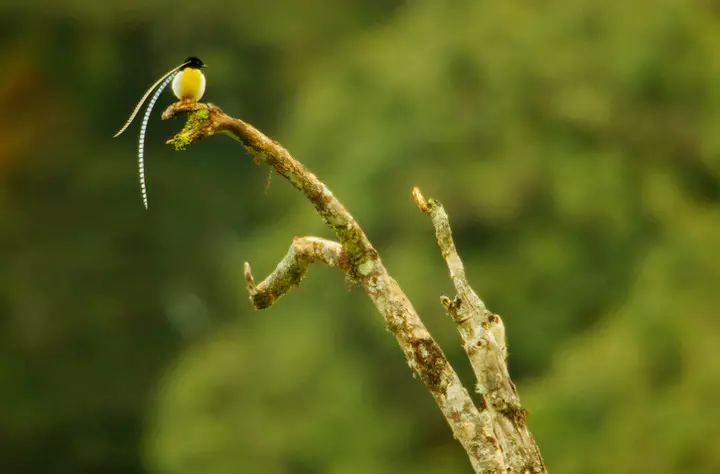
[[188, 84]]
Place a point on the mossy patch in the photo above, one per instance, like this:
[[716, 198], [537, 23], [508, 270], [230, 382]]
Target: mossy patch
[[186, 137]]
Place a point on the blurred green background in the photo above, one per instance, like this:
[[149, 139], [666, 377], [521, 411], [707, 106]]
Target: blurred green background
[[575, 144]]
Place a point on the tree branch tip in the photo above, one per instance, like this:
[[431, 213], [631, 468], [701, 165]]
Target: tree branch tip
[[249, 280], [184, 106], [419, 200], [199, 122]]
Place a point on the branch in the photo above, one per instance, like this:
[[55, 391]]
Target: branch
[[483, 335], [356, 256], [291, 269], [206, 120]]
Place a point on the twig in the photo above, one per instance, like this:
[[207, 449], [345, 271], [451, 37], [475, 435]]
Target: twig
[[291, 269], [361, 262]]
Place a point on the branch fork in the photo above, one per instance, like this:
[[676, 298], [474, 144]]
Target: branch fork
[[495, 435]]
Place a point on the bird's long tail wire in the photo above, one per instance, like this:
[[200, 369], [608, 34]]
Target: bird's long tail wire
[[143, 129], [170, 74]]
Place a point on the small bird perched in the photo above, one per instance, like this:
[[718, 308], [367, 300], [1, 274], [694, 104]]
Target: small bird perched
[[188, 83]]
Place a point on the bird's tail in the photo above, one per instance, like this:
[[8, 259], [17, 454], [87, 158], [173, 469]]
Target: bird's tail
[[143, 130]]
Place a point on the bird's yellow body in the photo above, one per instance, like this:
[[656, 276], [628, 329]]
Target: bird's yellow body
[[189, 84]]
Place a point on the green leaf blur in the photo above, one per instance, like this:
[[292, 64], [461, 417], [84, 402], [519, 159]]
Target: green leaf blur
[[574, 143]]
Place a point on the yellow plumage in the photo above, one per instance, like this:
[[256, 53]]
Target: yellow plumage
[[189, 84]]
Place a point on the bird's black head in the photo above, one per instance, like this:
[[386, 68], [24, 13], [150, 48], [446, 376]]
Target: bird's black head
[[193, 62]]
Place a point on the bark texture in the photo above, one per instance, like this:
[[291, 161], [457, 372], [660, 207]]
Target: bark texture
[[495, 436]]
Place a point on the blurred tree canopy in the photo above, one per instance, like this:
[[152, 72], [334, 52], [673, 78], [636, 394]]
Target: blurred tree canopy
[[573, 142]]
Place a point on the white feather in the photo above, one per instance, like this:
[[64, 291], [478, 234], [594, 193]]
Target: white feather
[[143, 129]]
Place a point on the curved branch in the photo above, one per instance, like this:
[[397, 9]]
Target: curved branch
[[206, 120], [292, 268]]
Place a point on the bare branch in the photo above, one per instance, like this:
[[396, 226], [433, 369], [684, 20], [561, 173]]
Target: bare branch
[[361, 263], [291, 269], [483, 335]]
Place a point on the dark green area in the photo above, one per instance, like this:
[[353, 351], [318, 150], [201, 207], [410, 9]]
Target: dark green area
[[574, 143]]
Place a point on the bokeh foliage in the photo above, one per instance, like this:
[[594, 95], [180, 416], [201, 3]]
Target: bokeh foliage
[[573, 142]]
